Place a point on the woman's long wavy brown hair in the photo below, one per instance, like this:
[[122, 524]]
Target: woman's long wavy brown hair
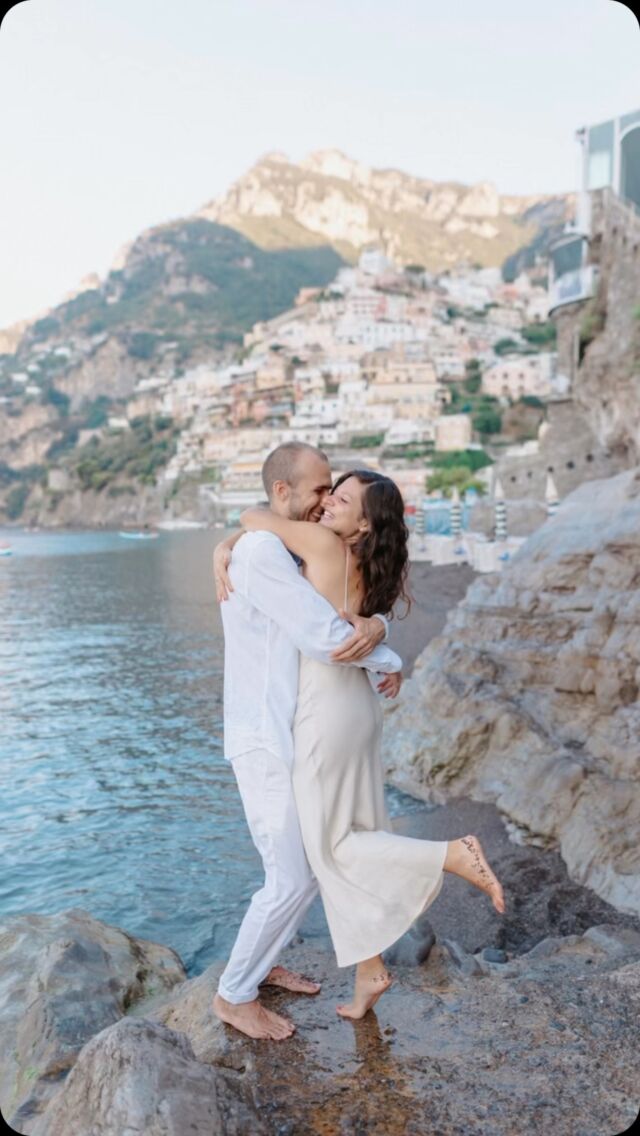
[[382, 551]]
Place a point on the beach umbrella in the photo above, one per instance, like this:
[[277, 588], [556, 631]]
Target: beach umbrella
[[551, 496], [419, 526], [500, 510], [455, 512]]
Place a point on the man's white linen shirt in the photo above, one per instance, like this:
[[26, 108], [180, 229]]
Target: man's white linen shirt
[[273, 614]]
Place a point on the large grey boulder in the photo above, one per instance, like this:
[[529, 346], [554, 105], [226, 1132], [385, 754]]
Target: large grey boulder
[[137, 1076], [529, 698], [63, 978]]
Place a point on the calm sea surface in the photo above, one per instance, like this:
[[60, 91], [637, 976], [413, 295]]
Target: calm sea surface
[[114, 794]]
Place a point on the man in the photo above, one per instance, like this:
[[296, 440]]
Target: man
[[272, 614]]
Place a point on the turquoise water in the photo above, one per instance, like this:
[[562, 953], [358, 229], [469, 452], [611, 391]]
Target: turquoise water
[[114, 794]]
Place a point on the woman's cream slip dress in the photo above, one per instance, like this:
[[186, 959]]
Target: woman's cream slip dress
[[373, 883]]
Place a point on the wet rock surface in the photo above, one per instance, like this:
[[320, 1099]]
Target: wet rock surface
[[545, 1041], [63, 978], [463, 1043]]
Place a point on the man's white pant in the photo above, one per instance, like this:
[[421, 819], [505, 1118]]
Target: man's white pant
[[276, 911]]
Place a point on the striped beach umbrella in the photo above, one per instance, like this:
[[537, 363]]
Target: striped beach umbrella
[[500, 510], [419, 525], [455, 512], [551, 496]]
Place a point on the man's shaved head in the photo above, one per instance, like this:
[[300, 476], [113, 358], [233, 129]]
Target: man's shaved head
[[283, 464], [297, 478]]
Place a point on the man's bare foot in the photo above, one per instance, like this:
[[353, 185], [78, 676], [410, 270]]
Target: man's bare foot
[[290, 980], [465, 858], [253, 1019], [368, 989]]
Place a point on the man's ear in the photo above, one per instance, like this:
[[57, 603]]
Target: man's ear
[[281, 491]]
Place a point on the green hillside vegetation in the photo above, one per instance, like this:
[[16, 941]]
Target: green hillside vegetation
[[194, 284], [484, 409], [127, 456], [517, 422], [456, 468], [473, 460], [541, 335], [457, 476]]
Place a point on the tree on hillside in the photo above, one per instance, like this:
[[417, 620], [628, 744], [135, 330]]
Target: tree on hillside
[[486, 420], [472, 459], [540, 334], [505, 346], [458, 476]]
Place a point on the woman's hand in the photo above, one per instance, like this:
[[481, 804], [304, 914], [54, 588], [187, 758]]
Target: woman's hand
[[221, 561], [390, 685]]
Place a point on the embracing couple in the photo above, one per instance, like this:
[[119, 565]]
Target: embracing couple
[[303, 726]]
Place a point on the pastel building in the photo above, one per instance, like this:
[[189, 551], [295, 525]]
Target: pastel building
[[452, 432], [518, 375]]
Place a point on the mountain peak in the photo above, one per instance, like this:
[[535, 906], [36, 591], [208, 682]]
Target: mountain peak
[[331, 198], [336, 164], [275, 156]]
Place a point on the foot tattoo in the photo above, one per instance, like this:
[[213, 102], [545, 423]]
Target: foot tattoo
[[474, 867]]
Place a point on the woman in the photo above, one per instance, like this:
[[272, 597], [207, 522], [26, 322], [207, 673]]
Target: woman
[[373, 883]]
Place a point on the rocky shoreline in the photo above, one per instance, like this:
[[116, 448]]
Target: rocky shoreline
[[104, 1035]]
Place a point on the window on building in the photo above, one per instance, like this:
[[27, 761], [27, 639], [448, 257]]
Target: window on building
[[568, 256], [630, 166], [600, 145]]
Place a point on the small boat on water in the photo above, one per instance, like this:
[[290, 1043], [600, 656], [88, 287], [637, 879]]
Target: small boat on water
[[139, 535], [178, 524], [6, 550]]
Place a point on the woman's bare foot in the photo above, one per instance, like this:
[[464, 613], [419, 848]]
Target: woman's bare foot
[[290, 980], [465, 858], [368, 988], [253, 1019]]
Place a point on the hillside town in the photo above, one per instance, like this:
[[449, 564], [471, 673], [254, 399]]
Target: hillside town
[[370, 363]]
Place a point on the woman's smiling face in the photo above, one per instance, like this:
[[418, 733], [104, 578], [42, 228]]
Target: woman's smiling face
[[343, 509]]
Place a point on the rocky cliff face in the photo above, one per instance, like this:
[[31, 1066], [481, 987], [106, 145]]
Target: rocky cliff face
[[25, 437], [330, 197], [529, 699], [599, 342]]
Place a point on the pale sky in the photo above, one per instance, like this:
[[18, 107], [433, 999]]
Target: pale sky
[[122, 114]]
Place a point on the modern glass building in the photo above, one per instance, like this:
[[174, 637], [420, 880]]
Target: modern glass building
[[611, 156], [610, 160]]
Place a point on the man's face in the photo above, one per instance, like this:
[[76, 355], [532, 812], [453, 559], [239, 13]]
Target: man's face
[[313, 484]]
